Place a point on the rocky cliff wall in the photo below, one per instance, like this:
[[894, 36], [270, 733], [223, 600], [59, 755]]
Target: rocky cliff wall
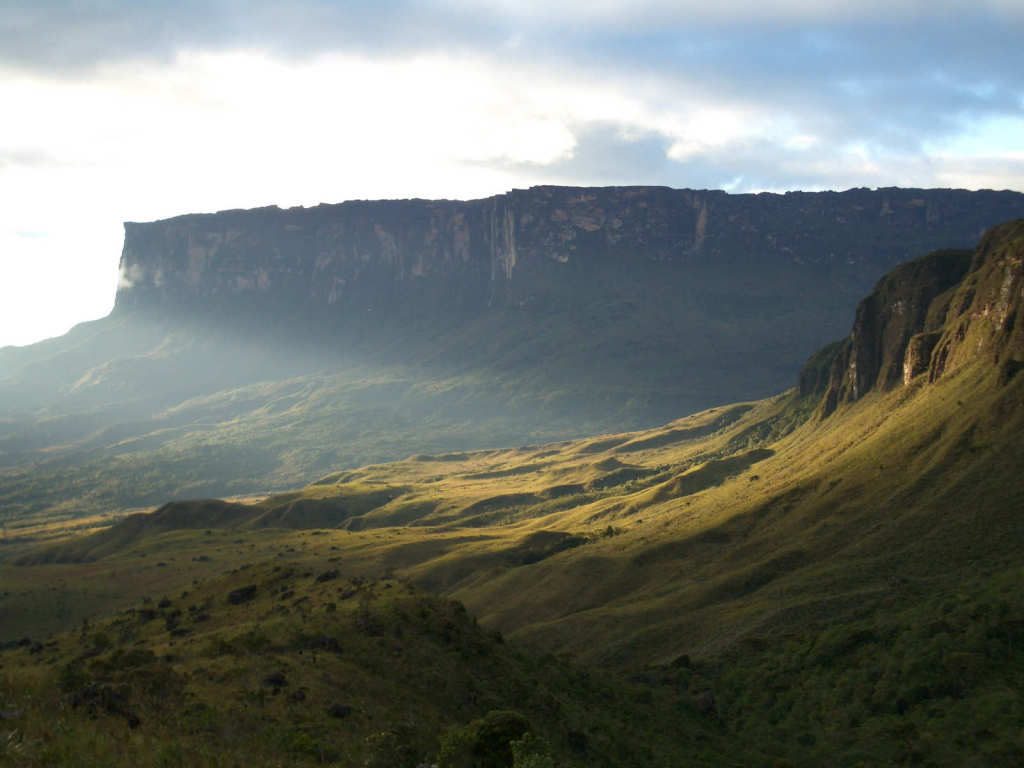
[[931, 315], [527, 247], [985, 317]]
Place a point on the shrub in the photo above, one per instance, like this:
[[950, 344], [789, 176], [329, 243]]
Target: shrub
[[485, 742], [242, 595], [531, 752], [388, 749]]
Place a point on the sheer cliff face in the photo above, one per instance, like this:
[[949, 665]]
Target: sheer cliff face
[[985, 317], [904, 307], [531, 246], [931, 316]]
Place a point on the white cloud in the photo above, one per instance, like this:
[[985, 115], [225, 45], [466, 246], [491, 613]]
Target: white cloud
[[128, 276], [801, 142], [661, 12]]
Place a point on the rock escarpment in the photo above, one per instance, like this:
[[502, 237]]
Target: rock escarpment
[[986, 314], [931, 315], [531, 248]]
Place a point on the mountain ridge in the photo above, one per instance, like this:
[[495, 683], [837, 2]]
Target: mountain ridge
[[621, 309], [921, 317], [498, 248]]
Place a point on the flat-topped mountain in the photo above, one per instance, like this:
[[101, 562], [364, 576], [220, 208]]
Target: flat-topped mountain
[[256, 350], [527, 248]]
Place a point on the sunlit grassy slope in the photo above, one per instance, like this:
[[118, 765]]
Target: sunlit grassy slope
[[683, 539], [825, 606]]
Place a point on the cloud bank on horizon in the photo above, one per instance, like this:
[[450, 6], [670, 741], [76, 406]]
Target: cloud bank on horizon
[[133, 111]]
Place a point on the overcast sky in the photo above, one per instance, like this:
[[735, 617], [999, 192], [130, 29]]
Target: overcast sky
[[124, 110]]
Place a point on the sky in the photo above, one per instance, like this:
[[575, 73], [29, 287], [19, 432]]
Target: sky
[[135, 110]]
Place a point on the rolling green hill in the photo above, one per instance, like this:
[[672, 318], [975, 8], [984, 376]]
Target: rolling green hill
[[278, 665]]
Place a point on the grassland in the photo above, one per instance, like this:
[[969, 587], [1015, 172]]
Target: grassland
[[720, 513], [829, 605], [272, 664]]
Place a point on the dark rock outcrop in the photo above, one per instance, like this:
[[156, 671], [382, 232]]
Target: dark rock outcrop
[[985, 318], [532, 248], [897, 311], [930, 315]]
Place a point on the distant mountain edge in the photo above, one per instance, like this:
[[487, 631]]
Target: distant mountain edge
[[536, 248]]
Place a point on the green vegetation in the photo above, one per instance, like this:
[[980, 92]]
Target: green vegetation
[[938, 681], [274, 665], [769, 596]]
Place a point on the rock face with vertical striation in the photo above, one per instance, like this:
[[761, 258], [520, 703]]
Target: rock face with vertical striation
[[931, 315], [985, 318], [532, 247], [698, 297]]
